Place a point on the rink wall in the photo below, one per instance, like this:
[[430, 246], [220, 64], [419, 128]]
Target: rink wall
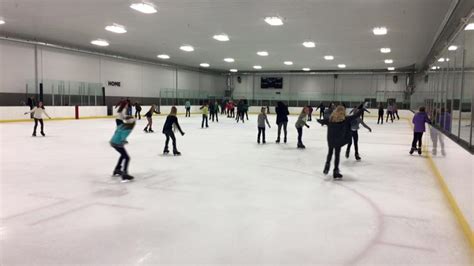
[[16, 113]]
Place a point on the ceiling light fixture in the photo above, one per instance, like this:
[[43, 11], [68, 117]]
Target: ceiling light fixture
[[187, 48], [163, 56], [469, 26], [229, 60], [385, 50], [257, 67], [309, 44], [379, 30], [233, 70], [274, 21], [328, 57], [221, 37], [204, 65], [341, 66], [390, 68], [306, 69], [262, 53], [117, 28], [441, 59], [144, 7], [388, 61], [452, 48], [288, 63], [100, 42]]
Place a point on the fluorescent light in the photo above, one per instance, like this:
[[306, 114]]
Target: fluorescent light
[[262, 53], [390, 68], [469, 26], [257, 67], [452, 48], [288, 63], [144, 7], [309, 44], [379, 30], [233, 70], [100, 42], [274, 21], [447, 59], [2, 21], [221, 37], [388, 61], [163, 56], [441, 59], [204, 65], [187, 48], [385, 50], [306, 69], [435, 67], [341, 66], [229, 60], [328, 57], [117, 28]]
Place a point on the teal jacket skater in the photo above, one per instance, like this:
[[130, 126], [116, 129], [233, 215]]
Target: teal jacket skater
[[121, 133]]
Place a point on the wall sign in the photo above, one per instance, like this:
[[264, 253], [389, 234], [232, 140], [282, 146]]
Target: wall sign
[[113, 83]]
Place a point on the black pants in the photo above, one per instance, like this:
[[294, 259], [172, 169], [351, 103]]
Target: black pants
[[337, 156], [391, 116], [380, 119], [232, 113], [137, 113], [280, 125], [261, 131], [417, 136], [396, 114], [222, 110], [300, 134], [118, 121], [355, 140], [204, 118], [170, 134], [310, 117], [36, 125], [123, 157], [188, 112], [246, 115], [216, 116]]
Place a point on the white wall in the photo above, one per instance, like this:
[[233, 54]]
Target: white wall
[[17, 67], [8, 113]]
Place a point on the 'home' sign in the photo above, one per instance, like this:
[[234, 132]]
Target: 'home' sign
[[113, 83]]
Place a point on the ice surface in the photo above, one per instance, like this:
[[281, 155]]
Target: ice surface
[[226, 200]]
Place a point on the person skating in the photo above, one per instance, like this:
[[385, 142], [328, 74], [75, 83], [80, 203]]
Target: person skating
[[281, 120], [395, 111], [38, 113], [138, 110], [171, 120], [310, 113], [245, 110], [299, 126], [338, 135], [187, 106], [205, 111], [419, 120], [355, 136], [118, 141], [389, 112], [129, 106], [214, 111], [262, 118], [328, 111], [149, 119], [321, 108], [380, 119]]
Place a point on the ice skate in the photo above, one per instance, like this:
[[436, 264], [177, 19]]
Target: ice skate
[[347, 154], [284, 140], [34, 134], [412, 150], [176, 153], [42, 134], [146, 130], [419, 151], [151, 130], [126, 177], [117, 172], [166, 151], [277, 141], [357, 157], [336, 174], [326, 168], [301, 146]]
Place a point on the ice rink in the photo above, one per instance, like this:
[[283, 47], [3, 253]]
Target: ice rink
[[226, 200]]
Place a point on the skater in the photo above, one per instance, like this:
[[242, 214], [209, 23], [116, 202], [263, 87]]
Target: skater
[[232, 109], [38, 112], [419, 121], [321, 108], [187, 105], [205, 112], [310, 112], [245, 109], [223, 107], [364, 110], [149, 118], [395, 111], [338, 135], [380, 119], [329, 110], [171, 120], [214, 110], [299, 126], [281, 120], [240, 111], [355, 136], [118, 141], [121, 113], [129, 106], [389, 112], [262, 118], [138, 109]]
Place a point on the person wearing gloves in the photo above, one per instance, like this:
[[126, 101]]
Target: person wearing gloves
[[38, 113], [419, 120], [299, 126], [118, 141], [171, 120]]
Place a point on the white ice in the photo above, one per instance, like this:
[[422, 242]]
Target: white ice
[[226, 200]]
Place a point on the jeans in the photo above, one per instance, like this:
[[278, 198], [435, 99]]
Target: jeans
[[337, 156], [188, 112], [36, 125], [300, 134], [380, 119], [261, 131], [170, 134], [204, 118], [417, 136], [280, 125], [123, 157], [355, 140]]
